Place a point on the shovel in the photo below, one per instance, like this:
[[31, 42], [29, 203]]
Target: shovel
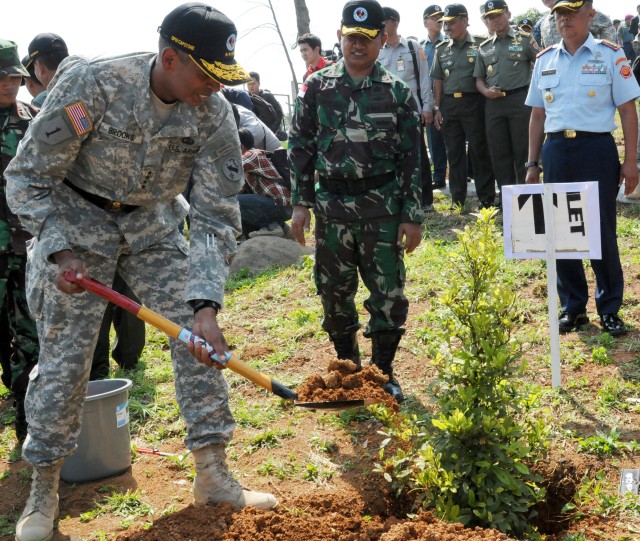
[[186, 336]]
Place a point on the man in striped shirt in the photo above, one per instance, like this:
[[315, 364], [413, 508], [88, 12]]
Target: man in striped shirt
[[265, 202]]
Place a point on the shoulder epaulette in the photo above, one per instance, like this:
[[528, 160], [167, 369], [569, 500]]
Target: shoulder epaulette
[[485, 41], [544, 51], [610, 44], [442, 43], [525, 34]]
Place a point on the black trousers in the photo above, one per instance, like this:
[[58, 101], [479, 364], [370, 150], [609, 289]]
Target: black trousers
[[463, 120]]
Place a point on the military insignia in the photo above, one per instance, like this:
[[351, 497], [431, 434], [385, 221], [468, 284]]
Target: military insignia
[[231, 42], [620, 60], [610, 44], [489, 5], [625, 71], [594, 69], [592, 93], [548, 96], [544, 51], [489, 70], [54, 131], [548, 72], [232, 168], [360, 14], [187, 141], [79, 118], [303, 91], [446, 73]]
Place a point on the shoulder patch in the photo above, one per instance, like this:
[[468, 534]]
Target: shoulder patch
[[232, 169], [79, 118], [544, 51], [610, 44], [54, 130], [525, 34]]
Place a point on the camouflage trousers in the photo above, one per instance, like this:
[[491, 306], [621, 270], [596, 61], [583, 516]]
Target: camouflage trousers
[[69, 325], [370, 248], [20, 353]]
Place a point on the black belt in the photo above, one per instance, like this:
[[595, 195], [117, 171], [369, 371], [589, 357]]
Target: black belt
[[572, 134], [102, 202], [346, 186], [462, 94], [514, 90]]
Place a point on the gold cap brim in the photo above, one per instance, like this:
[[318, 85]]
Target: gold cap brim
[[226, 74], [369, 33]]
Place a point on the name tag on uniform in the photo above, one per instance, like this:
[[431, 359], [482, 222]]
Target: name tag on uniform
[[548, 72], [400, 64]]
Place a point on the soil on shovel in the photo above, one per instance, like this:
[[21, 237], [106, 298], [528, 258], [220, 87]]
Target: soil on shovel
[[345, 381]]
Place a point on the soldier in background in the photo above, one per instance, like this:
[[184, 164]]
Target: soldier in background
[[46, 52], [34, 87], [358, 127], [19, 336], [459, 108], [407, 60], [503, 72], [601, 27]]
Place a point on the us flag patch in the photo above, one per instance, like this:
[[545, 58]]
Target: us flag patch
[[79, 118]]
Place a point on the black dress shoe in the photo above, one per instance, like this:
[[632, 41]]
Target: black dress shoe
[[612, 324], [570, 322]]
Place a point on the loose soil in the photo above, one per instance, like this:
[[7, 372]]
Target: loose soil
[[355, 502]]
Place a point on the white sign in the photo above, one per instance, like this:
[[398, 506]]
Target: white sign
[[576, 221]]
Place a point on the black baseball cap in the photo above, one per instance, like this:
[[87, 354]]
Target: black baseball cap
[[362, 17], [432, 10], [526, 22], [46, 43], [493, 7], [573, 6], [390, 13], [208, 37], [453, 11]]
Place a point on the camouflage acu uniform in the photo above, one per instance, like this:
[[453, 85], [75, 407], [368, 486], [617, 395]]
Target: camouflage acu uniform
[[362, 140], [100, 131], [601, 27], [19, 327]]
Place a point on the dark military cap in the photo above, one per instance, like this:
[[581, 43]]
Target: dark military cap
[[493, 7], [46, 43], [10, 61], [363, 17], [432, 10], [524, 23], [453, 11], [567, 4], [390, 13], [208, 37]]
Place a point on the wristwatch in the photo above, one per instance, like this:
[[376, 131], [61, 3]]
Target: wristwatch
[[199, 304], [435, 108], [531, 164]]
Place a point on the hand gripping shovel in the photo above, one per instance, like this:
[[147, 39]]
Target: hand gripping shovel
[[185, 336]]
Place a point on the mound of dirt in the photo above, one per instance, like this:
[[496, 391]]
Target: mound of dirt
[[345, 381], [306, 518]]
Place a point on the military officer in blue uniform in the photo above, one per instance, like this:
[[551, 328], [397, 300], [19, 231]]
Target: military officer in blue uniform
[[576, 87]]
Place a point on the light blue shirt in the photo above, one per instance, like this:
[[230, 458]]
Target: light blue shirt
[[581, 92]]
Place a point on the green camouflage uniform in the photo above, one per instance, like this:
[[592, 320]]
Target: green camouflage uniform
[[601, 27], [20, 328], [357, 135]]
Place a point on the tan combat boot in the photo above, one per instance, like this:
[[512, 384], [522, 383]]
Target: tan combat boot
[[214, 483], [37, 520]]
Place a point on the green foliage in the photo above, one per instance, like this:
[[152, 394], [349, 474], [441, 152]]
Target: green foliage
[[606, 444], [532, 13], [471, 464], [128, 505]]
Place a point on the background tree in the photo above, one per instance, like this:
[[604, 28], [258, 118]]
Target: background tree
[[302, 17], [532, 13]]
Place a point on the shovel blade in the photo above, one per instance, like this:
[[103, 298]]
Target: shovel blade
[[337, 404]]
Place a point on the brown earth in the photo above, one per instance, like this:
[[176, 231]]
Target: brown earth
[[354, 502]]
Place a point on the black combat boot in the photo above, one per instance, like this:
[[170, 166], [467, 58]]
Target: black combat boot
[[21, 417], [346, 346], [383, 350]]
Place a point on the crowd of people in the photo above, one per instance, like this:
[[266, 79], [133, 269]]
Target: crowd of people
[[101, 170]]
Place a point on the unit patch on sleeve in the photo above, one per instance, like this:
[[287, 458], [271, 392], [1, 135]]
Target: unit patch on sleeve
[[54, 131], [232, 169], [79, 118]]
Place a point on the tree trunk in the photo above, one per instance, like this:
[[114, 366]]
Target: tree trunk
[[302, 17]]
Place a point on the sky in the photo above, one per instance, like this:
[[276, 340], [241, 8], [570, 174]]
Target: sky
[[117, 26]]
